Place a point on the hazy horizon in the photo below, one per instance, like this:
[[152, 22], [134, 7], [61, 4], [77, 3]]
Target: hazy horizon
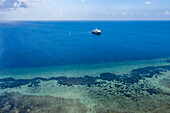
[[84, 10]]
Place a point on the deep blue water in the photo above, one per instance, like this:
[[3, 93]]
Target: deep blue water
[[29, 44]]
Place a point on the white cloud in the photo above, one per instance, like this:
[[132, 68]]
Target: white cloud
[[13, 4], [83, 0], [123, 13], [166, 12], [148, 3]]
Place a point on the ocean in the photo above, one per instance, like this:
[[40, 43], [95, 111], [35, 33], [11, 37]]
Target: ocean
[[125, 69], [32, 44]]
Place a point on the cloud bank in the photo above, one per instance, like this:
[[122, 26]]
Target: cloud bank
[[167, 12], [14, 4], [148, 3]]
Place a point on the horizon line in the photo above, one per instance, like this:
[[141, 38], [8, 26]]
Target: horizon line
[[87, 20]]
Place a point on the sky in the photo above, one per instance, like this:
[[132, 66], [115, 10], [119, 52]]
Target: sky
[[84, 9]]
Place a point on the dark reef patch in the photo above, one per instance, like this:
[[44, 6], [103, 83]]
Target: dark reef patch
[[133, 77], [125, 79], [168, 61], [108, 76], [86, 80], [18, 103], [157, 91], [11, 82], [149, 72]]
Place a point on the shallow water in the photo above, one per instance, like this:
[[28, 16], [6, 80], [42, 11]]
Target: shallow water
[[125, 70]]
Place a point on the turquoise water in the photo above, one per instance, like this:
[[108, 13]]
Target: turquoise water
[[32, 44], [59, 66]]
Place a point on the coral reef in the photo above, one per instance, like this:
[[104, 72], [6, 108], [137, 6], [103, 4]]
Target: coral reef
[[134, 92], [18, 103]]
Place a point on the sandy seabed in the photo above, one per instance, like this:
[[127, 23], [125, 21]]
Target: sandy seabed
[[121, 87]]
